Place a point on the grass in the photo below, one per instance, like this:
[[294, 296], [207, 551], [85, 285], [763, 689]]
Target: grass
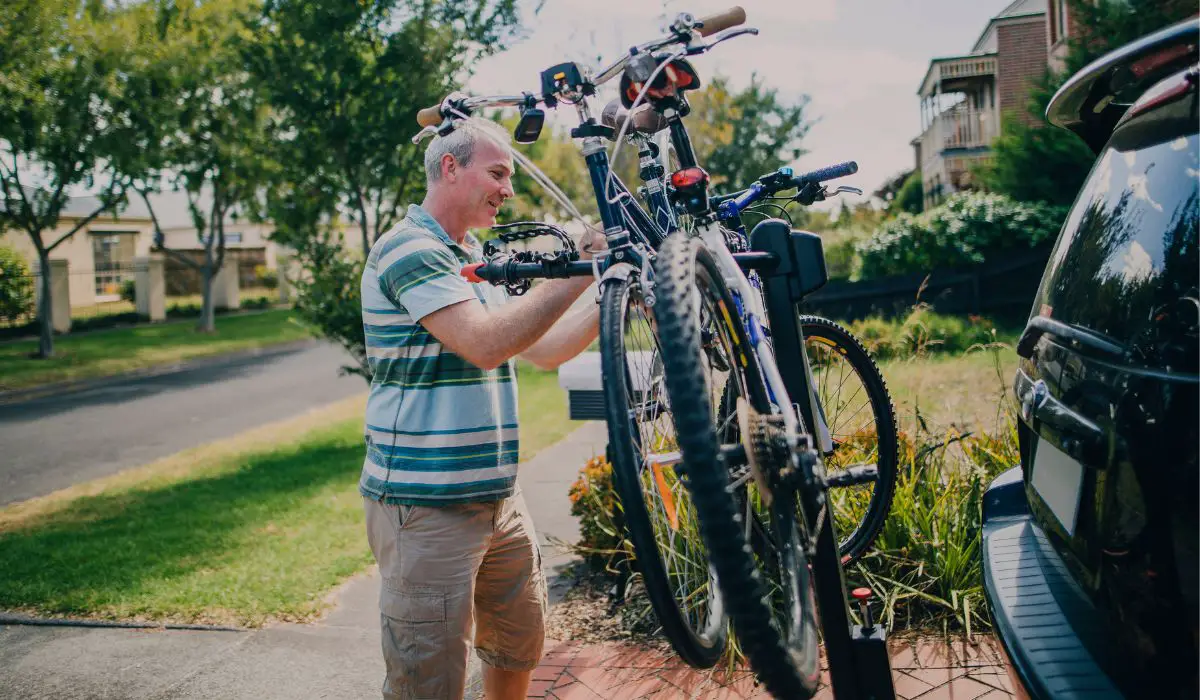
[[968, 391], [103, 353], [542, 409], [230, 533], [243, 531]]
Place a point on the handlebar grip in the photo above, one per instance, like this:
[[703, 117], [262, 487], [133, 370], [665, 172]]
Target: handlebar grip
[[721, 21], [430, 116], [832, 172], [471, 272]]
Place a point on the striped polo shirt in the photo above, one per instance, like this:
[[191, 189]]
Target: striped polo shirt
[[439, 430]]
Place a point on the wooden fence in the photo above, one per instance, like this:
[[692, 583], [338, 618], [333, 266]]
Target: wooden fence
[[1002, 288]]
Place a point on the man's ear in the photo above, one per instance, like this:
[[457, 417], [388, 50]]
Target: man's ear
[[449, 166]]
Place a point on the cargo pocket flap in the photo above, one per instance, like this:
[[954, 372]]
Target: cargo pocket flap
[[418, 606]]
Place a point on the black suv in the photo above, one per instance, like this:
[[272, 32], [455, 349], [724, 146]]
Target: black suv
[[1090, 545]]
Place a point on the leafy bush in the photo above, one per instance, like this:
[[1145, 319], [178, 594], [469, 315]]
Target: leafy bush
[[959, 232], [841, 259], [328, 299], [594, 501], [16, 287], [927, 565], [129, 291], [266, 277], [255, 303], [923, 331]]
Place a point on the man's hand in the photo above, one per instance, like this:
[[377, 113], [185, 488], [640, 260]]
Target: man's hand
[[591, 242]]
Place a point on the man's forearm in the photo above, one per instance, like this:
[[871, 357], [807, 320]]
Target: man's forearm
[[518, 325], [566, 339]]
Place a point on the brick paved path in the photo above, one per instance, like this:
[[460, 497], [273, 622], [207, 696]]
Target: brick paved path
[[925, 669]]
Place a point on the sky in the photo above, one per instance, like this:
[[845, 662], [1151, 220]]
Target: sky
[[860, 62]]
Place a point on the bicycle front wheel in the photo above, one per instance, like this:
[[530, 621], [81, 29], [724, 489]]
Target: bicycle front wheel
[[705, 349], [658, 513]]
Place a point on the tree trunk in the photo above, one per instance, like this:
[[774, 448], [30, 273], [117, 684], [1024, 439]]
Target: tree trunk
[[207, 322], [45, 309]]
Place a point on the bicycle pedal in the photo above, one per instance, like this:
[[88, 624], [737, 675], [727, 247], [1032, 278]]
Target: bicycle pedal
[[853, 476]]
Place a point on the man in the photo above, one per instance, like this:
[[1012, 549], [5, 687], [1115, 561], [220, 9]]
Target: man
[[448, 527]]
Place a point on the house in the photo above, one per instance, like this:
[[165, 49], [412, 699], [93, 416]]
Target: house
[[965, 98], [100, 256]]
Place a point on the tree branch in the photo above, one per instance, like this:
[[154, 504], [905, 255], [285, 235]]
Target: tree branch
[[160, 237]]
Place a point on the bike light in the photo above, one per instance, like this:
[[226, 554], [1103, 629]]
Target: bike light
[[688, 177]]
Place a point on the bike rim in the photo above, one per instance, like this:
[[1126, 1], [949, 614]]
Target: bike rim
[[665, 496]]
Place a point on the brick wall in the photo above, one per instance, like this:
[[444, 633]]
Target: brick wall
[[1021, 59]]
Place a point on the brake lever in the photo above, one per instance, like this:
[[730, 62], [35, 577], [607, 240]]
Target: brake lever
[[719, 37], [843, 189], [427, 132]]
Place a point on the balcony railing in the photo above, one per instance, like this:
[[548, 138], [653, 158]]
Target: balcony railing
[[959, 128]]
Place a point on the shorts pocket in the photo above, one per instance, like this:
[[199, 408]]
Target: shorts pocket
[[414, 606], [415, 642]]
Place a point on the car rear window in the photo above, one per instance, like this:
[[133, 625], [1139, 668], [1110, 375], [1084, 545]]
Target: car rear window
[[1126, 263]]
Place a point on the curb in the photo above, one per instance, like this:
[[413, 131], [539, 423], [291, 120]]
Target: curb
[[71, 386], [29, 620]]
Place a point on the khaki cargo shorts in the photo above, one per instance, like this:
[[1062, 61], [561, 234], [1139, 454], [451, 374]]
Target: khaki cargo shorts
[[448, 570]]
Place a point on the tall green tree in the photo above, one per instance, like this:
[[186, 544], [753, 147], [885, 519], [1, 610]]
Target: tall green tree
[[344, 81], [58, 129], [1043, 163], [741, 136], [201, 125]]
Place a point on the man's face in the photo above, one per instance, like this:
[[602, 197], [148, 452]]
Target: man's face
[[480, 188]]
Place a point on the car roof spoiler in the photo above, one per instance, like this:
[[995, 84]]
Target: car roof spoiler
[[1094, 99]]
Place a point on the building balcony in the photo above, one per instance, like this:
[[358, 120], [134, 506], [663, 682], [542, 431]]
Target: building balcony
[[957, 129], [952, 74]]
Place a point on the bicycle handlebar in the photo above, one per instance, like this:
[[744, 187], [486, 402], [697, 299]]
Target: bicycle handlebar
[[721, 21], [504, 270], [831, 173]]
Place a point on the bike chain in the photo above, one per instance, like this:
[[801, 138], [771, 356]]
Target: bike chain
[[511, 233]]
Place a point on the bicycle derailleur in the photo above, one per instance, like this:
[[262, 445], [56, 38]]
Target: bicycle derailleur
[[773, 463]]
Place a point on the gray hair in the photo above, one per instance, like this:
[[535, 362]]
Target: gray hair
[[460, 143]]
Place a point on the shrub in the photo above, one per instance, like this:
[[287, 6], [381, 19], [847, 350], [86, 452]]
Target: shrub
[[960, 232], [129, 291], [266, 277], [841, 259], [255, 303], [594, 502], [924, 331], [927, 565], [16, 287]]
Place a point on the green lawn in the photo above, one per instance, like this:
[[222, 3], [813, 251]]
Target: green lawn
[[102, 353], [238, 532], [969, 391]]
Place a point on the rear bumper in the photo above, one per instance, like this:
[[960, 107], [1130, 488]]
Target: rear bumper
[[1044, 621]]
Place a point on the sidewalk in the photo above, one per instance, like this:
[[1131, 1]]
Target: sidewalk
[[926, 669]]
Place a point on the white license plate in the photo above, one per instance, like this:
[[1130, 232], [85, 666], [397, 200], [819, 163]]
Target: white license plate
[[1058, 479]]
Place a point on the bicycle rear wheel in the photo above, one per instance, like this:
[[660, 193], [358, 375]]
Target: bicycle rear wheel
[[858, 412], [658, 512], [704, 349]]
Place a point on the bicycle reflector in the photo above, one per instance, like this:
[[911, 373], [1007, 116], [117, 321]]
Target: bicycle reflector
[[688, 178], [691, 188]]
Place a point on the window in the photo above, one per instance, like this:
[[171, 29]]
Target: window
[[1060, 21], [112, 254], [1126, 263]]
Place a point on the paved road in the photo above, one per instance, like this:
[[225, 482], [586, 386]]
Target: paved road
[[50, 443]]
